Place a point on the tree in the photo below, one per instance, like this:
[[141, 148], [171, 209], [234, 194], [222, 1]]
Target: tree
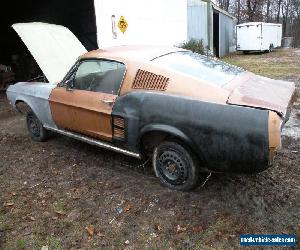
[[239, 11], [278, 10], [285, 16], [254, 10], [268, 11], [224, 4], [295, 15]]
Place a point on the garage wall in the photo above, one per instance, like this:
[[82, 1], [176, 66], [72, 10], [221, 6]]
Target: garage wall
[[227, 36], [197, 20]]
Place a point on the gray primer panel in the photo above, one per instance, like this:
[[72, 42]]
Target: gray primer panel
[[36, 95]]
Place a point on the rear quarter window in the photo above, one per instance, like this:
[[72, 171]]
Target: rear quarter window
[[201, 67]]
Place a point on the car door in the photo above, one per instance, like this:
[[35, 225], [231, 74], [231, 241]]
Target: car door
[[83, 102]]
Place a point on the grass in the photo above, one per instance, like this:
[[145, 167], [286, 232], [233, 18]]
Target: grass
[[53, 243], [280, 64], [36, 242], [59, 206], [21, 244]]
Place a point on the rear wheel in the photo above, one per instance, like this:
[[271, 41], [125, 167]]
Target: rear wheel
[[175, 166], [35, 127]]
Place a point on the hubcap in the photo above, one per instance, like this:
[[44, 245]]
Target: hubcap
[[172, 168]]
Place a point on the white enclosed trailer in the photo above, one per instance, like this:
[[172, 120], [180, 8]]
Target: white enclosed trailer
[[258, 36]]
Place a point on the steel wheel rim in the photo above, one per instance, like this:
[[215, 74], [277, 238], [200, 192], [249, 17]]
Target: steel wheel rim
[[34, 126], [172, 168]]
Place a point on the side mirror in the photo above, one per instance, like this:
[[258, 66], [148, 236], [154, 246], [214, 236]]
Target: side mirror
[[69, 84]]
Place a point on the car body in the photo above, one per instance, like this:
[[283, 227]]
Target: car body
[[162, 102]]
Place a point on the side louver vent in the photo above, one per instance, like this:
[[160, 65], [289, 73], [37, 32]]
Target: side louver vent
[[150, 81], [119, 128]]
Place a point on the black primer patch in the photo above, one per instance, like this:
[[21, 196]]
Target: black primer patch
[[228, 138]]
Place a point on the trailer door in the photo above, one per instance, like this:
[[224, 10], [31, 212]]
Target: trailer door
[[269, 36], [249, 37]]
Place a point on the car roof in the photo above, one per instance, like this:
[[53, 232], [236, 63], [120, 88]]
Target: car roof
[[128, 52]]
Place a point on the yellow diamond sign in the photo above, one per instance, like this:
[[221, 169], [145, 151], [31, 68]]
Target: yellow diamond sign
[[122, 24]]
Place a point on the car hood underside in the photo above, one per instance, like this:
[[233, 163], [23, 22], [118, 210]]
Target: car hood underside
[[54, 47]]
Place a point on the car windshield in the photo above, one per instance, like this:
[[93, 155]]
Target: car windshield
[[200, 67]]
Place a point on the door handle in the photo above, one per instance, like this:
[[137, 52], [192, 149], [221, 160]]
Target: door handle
[[69, 89], [107, 101]]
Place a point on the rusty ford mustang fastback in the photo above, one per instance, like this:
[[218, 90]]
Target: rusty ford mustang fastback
[[188, 112]]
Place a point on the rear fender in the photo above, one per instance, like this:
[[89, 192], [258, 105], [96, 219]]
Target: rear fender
[[170, 130]]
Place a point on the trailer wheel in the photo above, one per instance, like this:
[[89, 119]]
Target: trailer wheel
[[271, 49], [175, 166], [35, 128]]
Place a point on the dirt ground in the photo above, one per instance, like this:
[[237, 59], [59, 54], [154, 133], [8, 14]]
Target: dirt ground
[[65, 194]]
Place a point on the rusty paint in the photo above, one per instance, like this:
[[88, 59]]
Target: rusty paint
[[139, 57], [262, 92], [274, 130], [82, 111]]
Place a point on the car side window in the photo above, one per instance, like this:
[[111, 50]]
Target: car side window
[[99, 76]]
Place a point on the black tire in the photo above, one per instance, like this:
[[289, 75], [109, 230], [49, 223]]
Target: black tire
[[271, 49], [246, 52], [175, 166], [35, 128]]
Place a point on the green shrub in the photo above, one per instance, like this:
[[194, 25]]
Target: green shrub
[[194, 45]]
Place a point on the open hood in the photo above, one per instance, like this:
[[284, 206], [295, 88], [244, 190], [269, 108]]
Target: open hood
[[261, 92], [54, 47]]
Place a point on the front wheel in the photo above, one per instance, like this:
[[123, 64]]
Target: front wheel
[[35, 128], [175, 166]]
